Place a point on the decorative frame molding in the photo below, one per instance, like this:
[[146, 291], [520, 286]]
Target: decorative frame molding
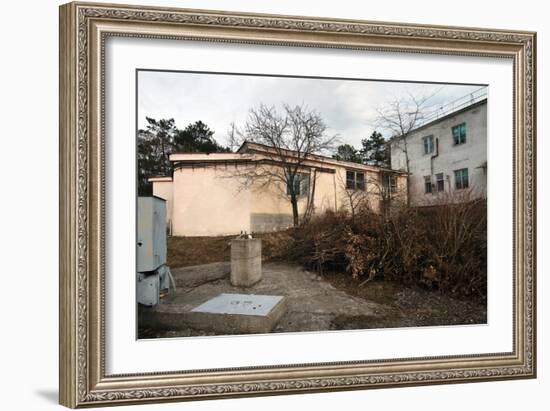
[[83, 30]]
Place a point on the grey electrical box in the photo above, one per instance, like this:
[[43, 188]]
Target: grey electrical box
[[148, 289], [164, 277], [151, 233]]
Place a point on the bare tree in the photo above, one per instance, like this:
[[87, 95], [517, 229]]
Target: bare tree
[[377, 187], [355, 198], [291, 138], [401, 116], [233, 137]]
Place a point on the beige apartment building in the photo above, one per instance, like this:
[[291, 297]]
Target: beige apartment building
[[226, 193]]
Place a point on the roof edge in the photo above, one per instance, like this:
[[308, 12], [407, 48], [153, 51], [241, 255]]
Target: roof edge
[[445, 117]]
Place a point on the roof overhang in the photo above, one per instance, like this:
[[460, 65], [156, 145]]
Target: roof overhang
[[160, 179]]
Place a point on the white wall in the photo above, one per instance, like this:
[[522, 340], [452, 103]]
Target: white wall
[[28, 99], [164, 189], [209, 201]]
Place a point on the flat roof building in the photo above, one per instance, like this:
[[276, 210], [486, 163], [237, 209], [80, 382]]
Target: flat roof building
[[226, 193]]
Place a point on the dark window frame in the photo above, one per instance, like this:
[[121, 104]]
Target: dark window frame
[[355, 183], [428, 146], [301, 185], [462, 179], [428, 188], [440, 182], [393, 184], [459, 134]]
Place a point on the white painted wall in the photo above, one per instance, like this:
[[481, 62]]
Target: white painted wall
[[209, 201], [213, 201], [450, 157], [29, 342], [163, 189]]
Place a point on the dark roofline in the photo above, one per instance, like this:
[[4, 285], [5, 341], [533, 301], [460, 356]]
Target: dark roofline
[[445, 117], [179, 164], [243, 144], [345, 164], [153, 196], [202, 152]]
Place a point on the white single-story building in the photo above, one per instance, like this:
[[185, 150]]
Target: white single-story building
[[214, 194]]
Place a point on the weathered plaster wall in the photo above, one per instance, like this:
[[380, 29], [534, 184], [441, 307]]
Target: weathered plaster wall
[[207, 201], [163, 189], [471, 155], [213, 200]]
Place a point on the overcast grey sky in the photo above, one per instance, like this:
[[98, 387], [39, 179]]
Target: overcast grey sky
[[347, 106]]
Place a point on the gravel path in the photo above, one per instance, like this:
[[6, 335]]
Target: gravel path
[[312, 303]]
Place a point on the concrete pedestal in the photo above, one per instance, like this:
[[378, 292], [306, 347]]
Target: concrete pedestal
[[238, 313], [246, 261]]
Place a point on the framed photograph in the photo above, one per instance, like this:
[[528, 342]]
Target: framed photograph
[[260, 204]]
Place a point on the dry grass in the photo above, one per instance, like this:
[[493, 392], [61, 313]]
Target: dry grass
[[188, 251]]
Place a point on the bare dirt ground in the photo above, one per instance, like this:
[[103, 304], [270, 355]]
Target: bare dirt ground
[[314, 303], [411, 306]]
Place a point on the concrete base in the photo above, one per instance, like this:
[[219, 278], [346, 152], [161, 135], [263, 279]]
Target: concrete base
[[238, 313], [246, 261]]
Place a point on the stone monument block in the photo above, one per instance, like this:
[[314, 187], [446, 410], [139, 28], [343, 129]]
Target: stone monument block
[[246, 261]]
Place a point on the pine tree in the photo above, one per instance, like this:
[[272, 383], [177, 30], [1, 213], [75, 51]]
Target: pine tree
[[160, 139], [346, 152], [374, 150], [197, 138]]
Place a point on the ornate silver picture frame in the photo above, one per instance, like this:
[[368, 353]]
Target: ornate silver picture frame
[[84, 30]]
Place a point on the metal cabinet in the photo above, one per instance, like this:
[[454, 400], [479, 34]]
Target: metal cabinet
[[151, 233]]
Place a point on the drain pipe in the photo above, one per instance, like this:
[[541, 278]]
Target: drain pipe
[[436, 154]]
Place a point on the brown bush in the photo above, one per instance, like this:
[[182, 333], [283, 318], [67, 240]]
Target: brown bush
[[443, 246], [275, 246]]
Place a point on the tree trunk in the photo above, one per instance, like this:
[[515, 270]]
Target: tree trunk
[[295, 215], [310, 208], [408, 183], [408, 173]]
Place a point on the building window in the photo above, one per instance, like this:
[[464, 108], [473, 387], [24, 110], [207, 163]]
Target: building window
[[355, 180], [461, 179], [427, 184], [389, 183], [393, 184], [428, 144], [300, 183], [459, 134], [440, 182]]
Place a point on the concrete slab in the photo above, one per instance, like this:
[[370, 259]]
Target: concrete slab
[[238, 313]]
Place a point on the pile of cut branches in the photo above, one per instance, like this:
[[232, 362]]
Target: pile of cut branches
[[441, 247]]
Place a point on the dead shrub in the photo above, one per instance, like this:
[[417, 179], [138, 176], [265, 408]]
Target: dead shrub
[[442, 246], [275, 245]]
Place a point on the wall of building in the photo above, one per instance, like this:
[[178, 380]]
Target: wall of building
[[163, 189], [471, 155], [208, 201], [270, 208], [213, 200], [326, 191]]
